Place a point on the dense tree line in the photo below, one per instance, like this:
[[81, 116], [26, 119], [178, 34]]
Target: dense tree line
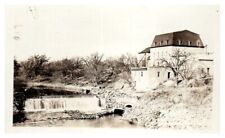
[[91, 69], [79, 70]]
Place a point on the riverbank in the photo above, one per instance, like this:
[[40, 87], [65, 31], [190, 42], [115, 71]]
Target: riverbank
[[166, 107], [174, 108], [66, 115]]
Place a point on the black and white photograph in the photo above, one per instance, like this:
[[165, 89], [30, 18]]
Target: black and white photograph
[[152, 67]]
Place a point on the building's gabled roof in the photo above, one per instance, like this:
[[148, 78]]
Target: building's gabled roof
[[183, 38]]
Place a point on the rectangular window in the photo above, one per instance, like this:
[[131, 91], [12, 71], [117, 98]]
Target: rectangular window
[[208, 71], [161, 43], [179, 42], [167, 42], [189, 43], [168, 75], [141, 74], [158, 73]]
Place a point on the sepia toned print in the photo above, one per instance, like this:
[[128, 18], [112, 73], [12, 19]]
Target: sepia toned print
[[113, 67]]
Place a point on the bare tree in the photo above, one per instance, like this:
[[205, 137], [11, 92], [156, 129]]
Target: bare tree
[[34, 65], [94, 66], [128, 61], [178, 63], [187, 72], [72, 68]]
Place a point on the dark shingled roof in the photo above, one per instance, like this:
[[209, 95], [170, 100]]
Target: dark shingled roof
[[179, 38], [146, 50], [183, 38]]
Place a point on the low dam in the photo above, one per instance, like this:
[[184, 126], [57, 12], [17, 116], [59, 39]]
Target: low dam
[[53, 107], [83, 103]]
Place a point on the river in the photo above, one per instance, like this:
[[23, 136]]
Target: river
[[49, 111], [112, 121]]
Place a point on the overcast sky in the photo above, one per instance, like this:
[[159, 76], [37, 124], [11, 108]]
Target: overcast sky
[[69, 31]]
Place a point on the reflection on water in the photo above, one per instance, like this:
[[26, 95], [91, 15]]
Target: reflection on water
[[112, 121]]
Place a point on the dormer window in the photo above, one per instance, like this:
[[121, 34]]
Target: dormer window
[[161, 43], [167, 42], [179, 42], [155, 43], [189, 43], [198, 43]]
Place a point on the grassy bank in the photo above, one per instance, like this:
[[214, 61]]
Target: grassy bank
[[177, 108]]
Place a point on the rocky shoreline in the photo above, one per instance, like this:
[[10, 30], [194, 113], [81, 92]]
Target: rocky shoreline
[[42, 115]]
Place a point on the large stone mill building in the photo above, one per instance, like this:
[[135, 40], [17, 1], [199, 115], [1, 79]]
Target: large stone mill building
[[150, 73]]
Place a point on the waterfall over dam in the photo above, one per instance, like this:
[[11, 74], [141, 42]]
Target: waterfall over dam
[[81, 103]]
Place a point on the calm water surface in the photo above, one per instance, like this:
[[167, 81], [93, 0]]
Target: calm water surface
[[112, 121]]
